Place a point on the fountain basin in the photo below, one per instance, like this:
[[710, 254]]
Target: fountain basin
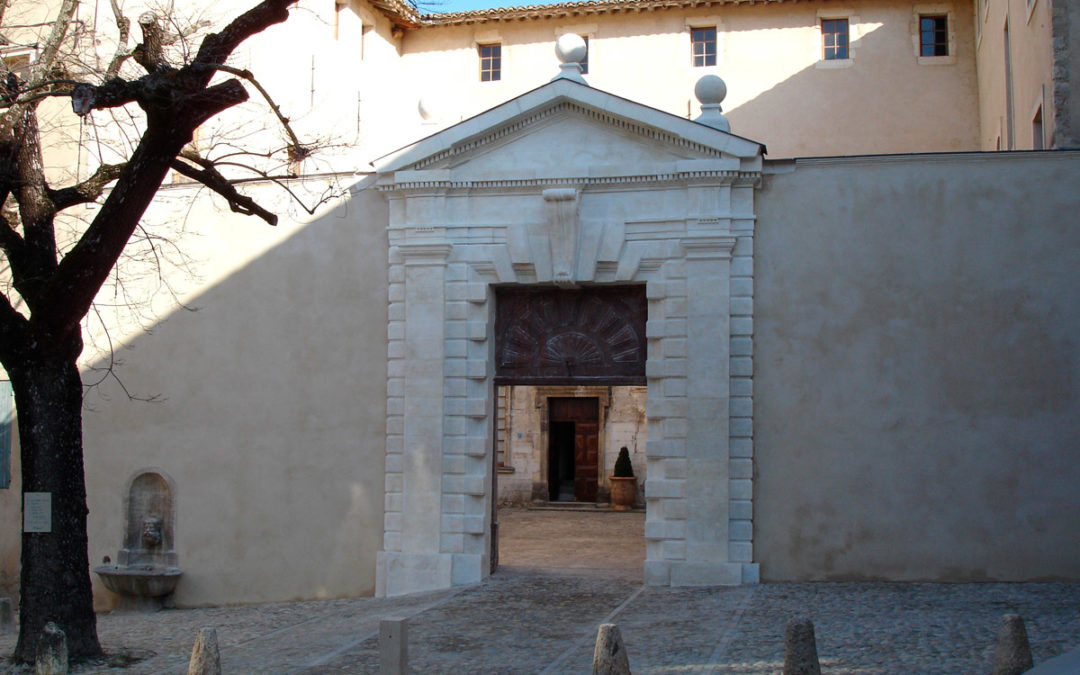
[[140, 586]]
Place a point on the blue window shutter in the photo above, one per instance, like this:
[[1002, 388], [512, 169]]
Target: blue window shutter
[[6, 419]]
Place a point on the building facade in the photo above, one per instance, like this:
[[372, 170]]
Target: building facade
[[859, 363]]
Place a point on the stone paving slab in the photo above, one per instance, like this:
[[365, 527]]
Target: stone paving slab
[[536, 621], [563, 577]]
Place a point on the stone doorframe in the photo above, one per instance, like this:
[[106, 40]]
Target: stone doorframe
[[603, 396], [682, 223]]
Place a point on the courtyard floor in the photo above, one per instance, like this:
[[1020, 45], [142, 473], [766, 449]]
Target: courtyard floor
[[563, 573]]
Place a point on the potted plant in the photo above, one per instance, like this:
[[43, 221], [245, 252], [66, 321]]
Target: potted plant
[[622, 482]]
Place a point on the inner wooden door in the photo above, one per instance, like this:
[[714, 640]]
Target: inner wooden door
[[584, 416]]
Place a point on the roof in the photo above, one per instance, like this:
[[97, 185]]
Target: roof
[[559, 10]]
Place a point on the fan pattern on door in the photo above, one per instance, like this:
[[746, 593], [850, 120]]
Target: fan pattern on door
[[550, 335]]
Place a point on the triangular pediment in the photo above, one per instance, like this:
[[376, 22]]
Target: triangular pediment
[[565, 129]]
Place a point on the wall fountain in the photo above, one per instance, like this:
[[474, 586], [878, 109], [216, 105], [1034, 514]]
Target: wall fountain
[[146, 570]]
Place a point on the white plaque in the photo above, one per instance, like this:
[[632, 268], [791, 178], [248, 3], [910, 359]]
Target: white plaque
[[37, 512]]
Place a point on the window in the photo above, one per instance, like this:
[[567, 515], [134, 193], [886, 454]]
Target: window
[[585, 61], [1037, 130], [834, 39], [703, 46], [933, 36], [490, 62]]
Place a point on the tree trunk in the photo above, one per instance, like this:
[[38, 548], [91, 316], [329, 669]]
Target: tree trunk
[[55, 579]]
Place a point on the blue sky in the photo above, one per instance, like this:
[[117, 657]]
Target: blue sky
[[465, 5]]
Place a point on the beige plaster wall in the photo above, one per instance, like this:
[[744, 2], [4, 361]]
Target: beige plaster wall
[[917, 369], [1031, 63], [779, 92], [270, 422]]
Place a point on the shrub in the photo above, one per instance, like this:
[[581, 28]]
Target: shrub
[[623, 467]]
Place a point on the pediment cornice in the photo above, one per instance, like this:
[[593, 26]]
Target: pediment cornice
[[542, 106]]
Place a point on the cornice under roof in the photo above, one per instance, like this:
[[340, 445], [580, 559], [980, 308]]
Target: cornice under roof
[[571, 9]]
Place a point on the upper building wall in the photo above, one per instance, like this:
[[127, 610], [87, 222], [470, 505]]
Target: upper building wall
[[884, 98], [1014, 47]]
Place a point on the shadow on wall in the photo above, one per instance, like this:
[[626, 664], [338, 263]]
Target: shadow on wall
[[917, 370], [272, 414]]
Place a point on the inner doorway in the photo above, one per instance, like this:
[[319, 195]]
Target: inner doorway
[[573, 442]]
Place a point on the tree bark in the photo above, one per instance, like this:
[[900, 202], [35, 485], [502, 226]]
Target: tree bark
[[55, 579]]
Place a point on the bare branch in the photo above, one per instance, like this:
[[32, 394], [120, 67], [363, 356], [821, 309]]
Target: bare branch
[[297, 151], [209, 176], [53, 43], [113, 94], [69, 293], [217, 47], [88, 190], [123, 25], [149, 54]]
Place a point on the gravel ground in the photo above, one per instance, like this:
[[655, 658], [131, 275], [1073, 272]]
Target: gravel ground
[[535, 616]]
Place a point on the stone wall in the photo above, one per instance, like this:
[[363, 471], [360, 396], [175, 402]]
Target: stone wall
[[271, 411], [917, 370]]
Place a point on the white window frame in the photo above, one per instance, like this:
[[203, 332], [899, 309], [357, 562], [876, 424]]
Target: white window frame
[[703, 22], [490, 37], [919, 11], [831, 14]]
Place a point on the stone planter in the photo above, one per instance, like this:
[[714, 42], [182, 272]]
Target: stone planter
[[623, 492]]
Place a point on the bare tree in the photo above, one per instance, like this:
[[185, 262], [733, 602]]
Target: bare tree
[[53, 285]]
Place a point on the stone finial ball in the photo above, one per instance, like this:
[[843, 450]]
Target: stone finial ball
[[570, 48], [710, 89], [426, 108], [431, 106]]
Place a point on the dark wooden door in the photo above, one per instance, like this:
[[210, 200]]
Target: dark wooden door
[[584, 415], [547, 336], [586, 460]]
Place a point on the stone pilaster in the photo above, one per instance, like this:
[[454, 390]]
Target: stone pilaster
[[412, 558]]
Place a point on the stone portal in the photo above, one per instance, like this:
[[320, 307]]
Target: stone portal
[[567, 187]]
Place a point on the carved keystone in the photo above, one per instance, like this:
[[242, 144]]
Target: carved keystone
[[205, 657], [52, 652], [800, 649], [1012, 654], [610, 657]]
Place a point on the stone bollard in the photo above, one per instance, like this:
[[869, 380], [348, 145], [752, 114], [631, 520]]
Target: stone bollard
[[609, 656], [7, 617], [51, 657], [800, 649], [205, 657], [1012, 654], [393, 647]]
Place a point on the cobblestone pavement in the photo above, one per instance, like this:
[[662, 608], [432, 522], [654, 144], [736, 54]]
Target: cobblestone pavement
[[535, 617]]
